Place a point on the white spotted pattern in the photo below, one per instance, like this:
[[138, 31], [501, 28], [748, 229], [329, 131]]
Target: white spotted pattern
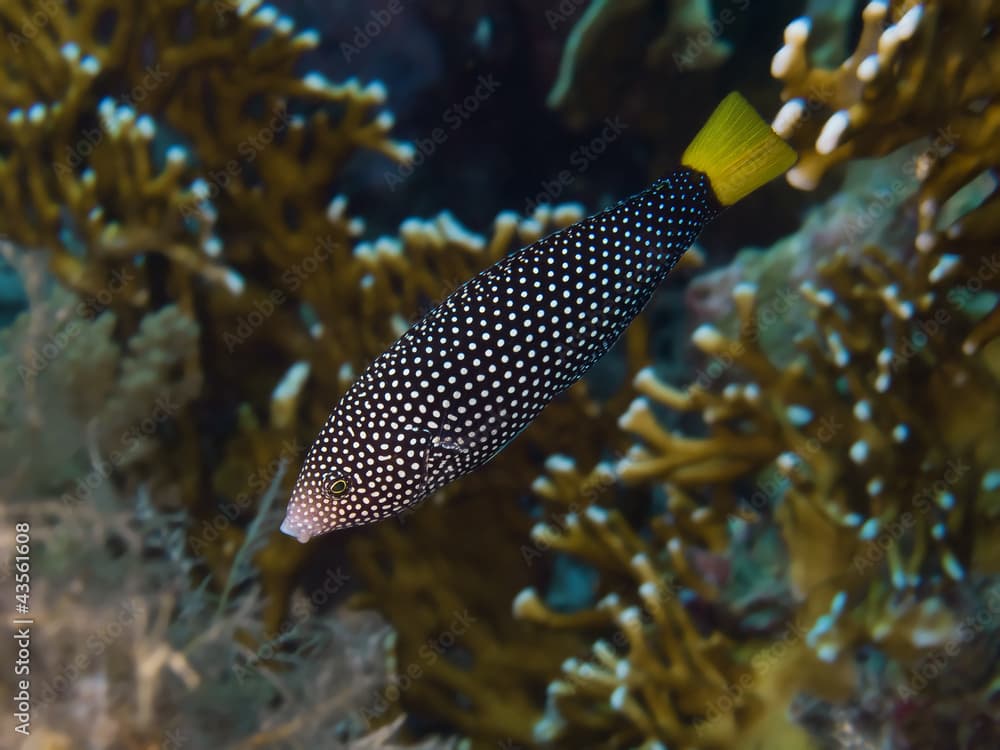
[[476, 370]]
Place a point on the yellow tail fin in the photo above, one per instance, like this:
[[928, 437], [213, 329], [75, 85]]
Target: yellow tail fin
[[737, 151]]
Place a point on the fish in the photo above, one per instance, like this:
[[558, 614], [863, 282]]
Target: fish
[[459, 385]]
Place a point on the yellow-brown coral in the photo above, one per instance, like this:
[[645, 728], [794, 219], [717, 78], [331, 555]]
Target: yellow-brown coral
[[223, 209], [657, 675], [921, 71], [879, 459]]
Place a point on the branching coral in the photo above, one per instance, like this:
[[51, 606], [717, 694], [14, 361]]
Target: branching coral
[[222, 214], [665, 669], [178, 172], [93, 91], [194, 167], [887, 478], [921, 71], [150, 191], [878, 457], [153, 187]]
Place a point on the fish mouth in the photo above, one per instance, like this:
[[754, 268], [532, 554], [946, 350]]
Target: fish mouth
[[288, 526]]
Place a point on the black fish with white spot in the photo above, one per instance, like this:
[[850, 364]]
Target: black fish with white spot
[[463, 382]]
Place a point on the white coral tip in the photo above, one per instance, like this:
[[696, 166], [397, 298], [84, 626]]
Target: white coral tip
[[832, 132]]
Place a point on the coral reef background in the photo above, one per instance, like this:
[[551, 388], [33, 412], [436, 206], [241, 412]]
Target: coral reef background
[[767, 520]]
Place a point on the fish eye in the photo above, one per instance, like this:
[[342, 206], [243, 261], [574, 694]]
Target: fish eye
[[335, 485]]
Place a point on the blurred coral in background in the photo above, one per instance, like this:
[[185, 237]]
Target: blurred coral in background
[[768, 519]]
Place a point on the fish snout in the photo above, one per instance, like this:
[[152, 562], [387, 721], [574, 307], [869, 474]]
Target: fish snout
[[295, 526]]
